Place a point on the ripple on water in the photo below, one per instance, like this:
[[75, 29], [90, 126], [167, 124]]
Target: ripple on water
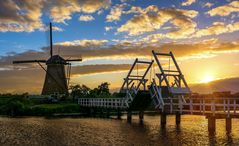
[[92, 131]]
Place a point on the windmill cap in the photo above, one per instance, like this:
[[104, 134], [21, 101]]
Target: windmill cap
[[56, 59]]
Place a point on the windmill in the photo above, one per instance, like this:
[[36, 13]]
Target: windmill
[[57, 77]]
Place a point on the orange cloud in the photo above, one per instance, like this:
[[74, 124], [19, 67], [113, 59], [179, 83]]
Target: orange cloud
[[225, 10], [115, 13], [188, 2], [12, 20], [84, 43], [25, 15], [209, 5], [152, 18], [218, 28], [86, 18], [19, 78], [63, 9]]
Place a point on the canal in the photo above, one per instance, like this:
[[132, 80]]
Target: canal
[[95, 131]]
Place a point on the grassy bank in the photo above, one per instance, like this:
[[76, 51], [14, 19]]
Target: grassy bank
[[50, 109], [21, 105]]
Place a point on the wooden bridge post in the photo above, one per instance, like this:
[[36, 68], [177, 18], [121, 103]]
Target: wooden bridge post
[[228, 124], [118, 113], [178, 118], [163, 119], [211, 124], [129, 116], [107, 113], [141, 116]]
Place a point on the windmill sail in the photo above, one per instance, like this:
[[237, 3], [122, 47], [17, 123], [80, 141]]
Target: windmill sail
[[51, 40], [55, 78], [29, 61]]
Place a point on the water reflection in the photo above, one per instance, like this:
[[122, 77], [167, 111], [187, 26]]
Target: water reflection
[[95, 131]]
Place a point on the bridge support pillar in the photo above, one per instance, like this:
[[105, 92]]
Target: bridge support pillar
[[107, 113], [163, 119], [101, 110], [129, 116], [178, 118], [228, 124], [118, 114], [211, 124], [141, 117]]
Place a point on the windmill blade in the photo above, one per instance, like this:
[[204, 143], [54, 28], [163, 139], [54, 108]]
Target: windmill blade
[[71, 60], [28, 61], [51, 45]]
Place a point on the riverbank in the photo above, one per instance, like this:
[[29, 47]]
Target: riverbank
[[20, 105]]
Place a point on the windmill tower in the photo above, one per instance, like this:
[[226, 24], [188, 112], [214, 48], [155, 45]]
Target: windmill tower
[[57, 77]]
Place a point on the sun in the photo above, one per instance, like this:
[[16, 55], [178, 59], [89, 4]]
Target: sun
[[207, 79]]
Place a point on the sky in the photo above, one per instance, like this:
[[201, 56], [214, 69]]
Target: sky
[[109, 34]]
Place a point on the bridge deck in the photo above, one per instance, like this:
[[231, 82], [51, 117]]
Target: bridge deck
[[114, 103], [219, 107]]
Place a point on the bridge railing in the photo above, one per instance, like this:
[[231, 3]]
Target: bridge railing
[[156, 95], [222, 106], [102, 102]]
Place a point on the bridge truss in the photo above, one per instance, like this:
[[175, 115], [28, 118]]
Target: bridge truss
[[132, 82], [169, 91]]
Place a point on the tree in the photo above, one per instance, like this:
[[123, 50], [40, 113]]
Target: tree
[[80, 91], [94, 93], [103, 90], [16, 106]]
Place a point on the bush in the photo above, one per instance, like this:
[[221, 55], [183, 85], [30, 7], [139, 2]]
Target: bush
[[102, 91], [49, 109], [16, 106]]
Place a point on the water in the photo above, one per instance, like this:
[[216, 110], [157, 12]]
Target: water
[[95, 131]]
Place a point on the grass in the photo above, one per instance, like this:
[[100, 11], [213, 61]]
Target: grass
[[18, 105]]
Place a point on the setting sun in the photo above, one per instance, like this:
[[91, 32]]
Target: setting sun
[[207, 79]]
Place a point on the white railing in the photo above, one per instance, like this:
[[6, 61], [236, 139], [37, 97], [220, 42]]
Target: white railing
[[156, 95], [195, 106], [202, 106], [109, 102], [102, 102]]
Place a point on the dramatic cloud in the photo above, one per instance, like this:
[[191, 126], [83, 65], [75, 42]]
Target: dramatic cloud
[[134, 9], [86, 18], [188, 2], [185, 27], [63, 9], [225, 10], [209, 5], [102, 68], [153, 38], [18, 16], [218, 28], [25, 15], [154, 18], [20, 77], [99, 49], [130, 51], [115, 13], [123, 50], [55, 28], [84, 43]]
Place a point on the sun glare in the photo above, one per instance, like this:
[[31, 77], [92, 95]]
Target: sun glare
[[207, 79]]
